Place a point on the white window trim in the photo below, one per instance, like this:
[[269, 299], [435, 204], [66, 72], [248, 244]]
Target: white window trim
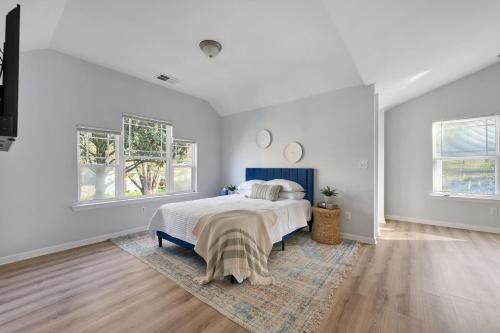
[[193, 166], [167, 159], [171, 197], [130, 115], [80, 128], [436, 177], [120, 198], [463, 197]]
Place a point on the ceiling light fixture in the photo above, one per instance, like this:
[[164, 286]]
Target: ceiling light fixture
[[211, 48]]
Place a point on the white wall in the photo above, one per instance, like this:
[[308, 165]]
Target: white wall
[[336, 130], [381, 167], [408, 151], [38, 177]]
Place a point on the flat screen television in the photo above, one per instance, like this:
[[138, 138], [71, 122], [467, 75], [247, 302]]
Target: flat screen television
[[9, 73]]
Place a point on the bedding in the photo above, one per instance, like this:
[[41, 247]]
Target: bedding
[[237, 243], [292, 195], [246, 193], [180, 218], [248, 184], [286, 185]]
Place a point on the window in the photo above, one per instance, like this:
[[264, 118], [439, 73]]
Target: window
[[147, 162], [184, 164], [465, 154], [98, 164], [146, 149]]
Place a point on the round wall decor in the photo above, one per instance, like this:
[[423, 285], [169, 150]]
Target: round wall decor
[[293, 152], [263, 139]]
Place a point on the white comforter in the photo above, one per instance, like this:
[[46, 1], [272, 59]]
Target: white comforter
[[179, 219]]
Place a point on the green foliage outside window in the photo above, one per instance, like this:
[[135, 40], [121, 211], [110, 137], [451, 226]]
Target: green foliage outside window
[[146, 155], [146, 152]]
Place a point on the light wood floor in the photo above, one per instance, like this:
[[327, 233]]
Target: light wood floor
[[417, 279]]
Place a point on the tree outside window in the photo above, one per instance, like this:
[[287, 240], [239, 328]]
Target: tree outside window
[[97, 164], [150, 162]]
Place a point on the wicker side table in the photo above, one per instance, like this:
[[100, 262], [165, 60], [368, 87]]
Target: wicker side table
[[326, 227]]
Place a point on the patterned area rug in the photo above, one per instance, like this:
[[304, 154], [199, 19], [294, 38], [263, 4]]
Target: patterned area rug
[[306, 275]]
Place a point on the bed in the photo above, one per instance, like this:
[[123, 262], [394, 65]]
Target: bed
[[174, 222]]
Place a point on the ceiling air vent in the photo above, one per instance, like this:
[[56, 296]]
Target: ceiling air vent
[[163, 77]]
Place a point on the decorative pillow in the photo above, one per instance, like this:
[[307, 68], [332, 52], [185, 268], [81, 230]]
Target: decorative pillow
[[248, 184], [292, 195], [286, 185], [266, 192]]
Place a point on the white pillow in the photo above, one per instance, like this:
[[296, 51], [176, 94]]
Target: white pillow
[[248, 184], [246, 193], [286, 185], [292, 195]]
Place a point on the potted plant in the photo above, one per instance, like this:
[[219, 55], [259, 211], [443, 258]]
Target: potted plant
[[328, 194], [231, 189]]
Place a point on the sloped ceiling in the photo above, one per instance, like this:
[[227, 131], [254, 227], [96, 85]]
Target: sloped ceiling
[[39, 21], [273, 51], [409, 47]]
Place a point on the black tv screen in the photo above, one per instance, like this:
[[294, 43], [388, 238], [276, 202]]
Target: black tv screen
[[10, 80]]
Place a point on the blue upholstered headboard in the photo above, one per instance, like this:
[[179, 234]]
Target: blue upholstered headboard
[[304, 177]]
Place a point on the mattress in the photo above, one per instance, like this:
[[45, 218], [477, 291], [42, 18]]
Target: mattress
[[179, 219]]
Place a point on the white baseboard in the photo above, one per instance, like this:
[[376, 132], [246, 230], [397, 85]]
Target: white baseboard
[[70, 245], [66, 246], [444, 224], [358, 238], [381, 220]]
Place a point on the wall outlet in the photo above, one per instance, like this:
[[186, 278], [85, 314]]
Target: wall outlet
[[348, 216], [363, 164], [494, 211]]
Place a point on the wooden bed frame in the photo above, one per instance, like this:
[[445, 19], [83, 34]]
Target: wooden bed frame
[[305, 177]]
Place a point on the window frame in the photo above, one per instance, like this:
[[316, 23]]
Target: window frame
[[120, 165], [437, 176], [193, 166], [117, 134], [168, 158]]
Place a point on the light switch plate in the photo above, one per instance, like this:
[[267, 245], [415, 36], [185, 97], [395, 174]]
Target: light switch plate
[[363, 164], [494, 211]]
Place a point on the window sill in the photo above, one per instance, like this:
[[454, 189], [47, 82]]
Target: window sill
[[464, 197], [124, 202]]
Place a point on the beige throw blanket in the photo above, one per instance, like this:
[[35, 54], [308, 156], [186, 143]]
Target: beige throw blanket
[[237, 243]]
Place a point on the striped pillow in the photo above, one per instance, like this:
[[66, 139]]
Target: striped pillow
[[266, 192]]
